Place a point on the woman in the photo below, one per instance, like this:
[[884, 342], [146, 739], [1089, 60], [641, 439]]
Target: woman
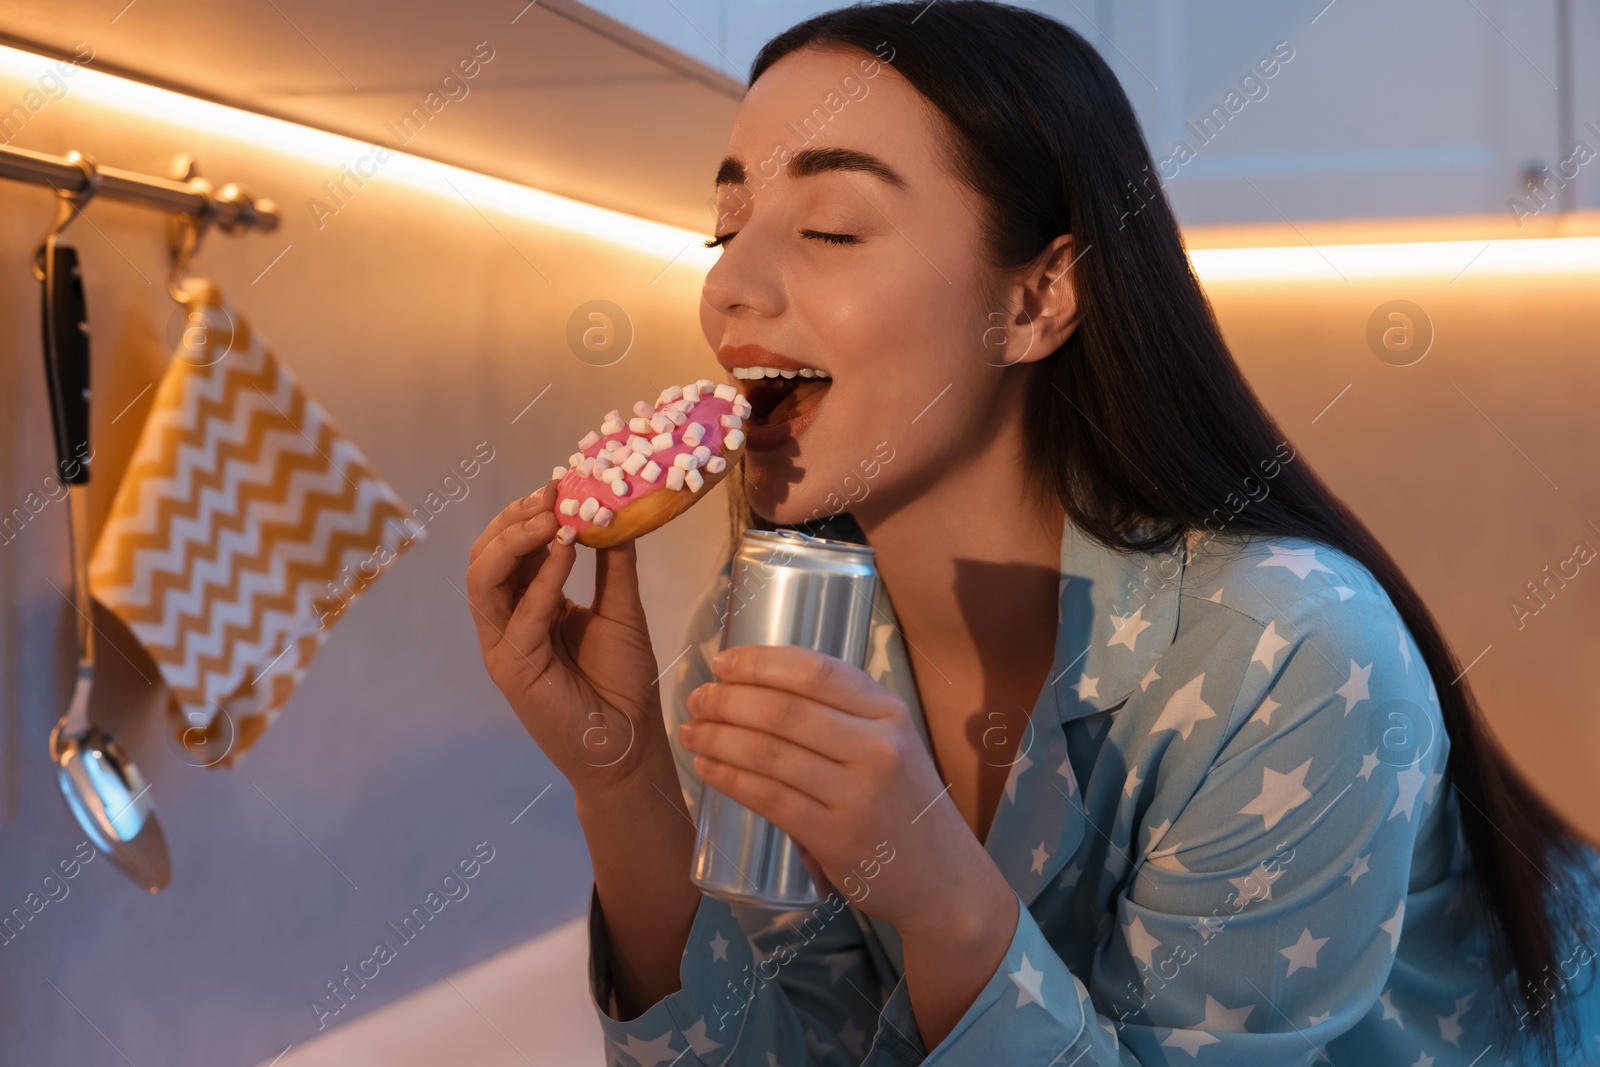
[[1252, 816]]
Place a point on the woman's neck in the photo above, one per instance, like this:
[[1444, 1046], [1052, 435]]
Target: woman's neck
[[973, 565]]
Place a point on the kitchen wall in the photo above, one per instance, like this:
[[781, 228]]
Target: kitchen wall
[[426, 325]]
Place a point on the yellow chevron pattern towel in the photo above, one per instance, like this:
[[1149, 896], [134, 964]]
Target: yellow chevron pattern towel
[[244, 525]]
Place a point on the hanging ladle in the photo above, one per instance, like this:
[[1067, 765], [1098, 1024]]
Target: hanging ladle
[[107, 794]]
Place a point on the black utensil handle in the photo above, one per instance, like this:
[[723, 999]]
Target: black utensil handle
[[66, 358]]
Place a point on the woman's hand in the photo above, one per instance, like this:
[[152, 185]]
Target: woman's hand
[[582, 680], [832, 758]]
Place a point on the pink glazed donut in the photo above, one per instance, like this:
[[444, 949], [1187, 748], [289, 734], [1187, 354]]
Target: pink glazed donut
[[634, 476]]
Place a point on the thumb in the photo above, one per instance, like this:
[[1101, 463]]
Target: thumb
[[616, 585]]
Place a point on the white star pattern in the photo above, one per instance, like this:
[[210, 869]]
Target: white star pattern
[[1318, 1020], [1450, 1025], [854, 1038], [1433, 783], [1028, 981], [1303, 953], [1344, 591], [1224, 1020], [1257, 885], [1355, 690], [1190, 1041], [1216, 598], [1087, 687], [1065, 771], [1132, 782], [1358, 868], [1150, 676], [1280, 794], [1039, 856], [1369, 763], [1157, 832], [1184, 709], [696, 1036], [1392, 926], [1268, 647], [1411, 782], [1405, 646], [649, 1053], [1070, 875], [1263, 714], [1389, 1010], [1300, 561], [1423, 1060], [1128, 628], [1141, 943], [1022, 764], [815, 1046], [719, 947]]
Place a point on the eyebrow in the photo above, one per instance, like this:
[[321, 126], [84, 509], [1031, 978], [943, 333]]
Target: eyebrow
[[812, 161]]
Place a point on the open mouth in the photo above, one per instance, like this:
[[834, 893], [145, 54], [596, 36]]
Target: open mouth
[[781, 402]]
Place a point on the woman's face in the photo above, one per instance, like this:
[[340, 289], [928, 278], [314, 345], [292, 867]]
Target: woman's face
[[852, 249]]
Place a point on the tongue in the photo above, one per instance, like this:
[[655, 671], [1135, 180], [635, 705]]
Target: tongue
[[800, 400]]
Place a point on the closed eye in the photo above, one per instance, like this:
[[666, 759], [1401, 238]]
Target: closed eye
[[719, 239], [831, 238]]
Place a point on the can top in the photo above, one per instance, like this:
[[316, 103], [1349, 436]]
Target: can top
[[800, 537]]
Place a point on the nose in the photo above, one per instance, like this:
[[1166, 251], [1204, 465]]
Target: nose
[[747, 278]]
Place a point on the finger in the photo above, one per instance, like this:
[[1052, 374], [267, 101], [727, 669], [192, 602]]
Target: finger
[[530, 622], [616, 584], [767, 754], [519, 510], [487, 590], [824, 678], [796, 813], [827, 731]]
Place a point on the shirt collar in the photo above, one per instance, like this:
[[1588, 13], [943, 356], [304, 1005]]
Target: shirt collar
[[1117, 615]]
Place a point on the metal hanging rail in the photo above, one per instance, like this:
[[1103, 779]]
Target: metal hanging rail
[[230, 208]]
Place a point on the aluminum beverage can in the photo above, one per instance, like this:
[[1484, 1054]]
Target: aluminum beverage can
[[785, 588]]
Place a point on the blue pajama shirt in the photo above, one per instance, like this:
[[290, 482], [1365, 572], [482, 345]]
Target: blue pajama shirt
[[1229, 826]]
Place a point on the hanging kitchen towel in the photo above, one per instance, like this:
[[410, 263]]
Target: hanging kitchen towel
[[242, 529]]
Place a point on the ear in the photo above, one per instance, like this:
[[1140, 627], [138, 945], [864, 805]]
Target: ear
[[1042, 308]]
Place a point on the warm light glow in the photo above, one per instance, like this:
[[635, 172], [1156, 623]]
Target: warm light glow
[[152, 105], [1447, 259]]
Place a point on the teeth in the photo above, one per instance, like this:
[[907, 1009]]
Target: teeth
[[774, 372]]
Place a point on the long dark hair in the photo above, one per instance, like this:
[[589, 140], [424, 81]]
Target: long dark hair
[[1143, 414]]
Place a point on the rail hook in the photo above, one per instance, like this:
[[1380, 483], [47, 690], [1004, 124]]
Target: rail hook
[[69, 205]]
